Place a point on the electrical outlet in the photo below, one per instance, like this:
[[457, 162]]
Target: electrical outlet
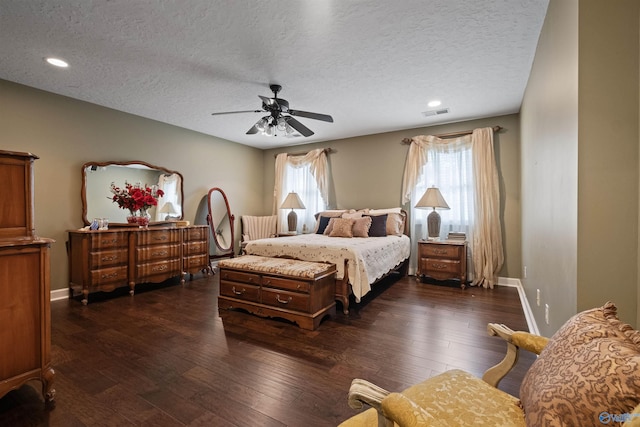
[[546, 313], [525, 273], [538, 297]]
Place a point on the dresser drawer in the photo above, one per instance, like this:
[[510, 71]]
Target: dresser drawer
[[157, 253], [156, 237], [109, 258], [287, 284], [241, 291], [161, 268], [284, 299], [197, 233], [105, 276], [444, 251], [238, 276], [109, 240], [196, 261], [195, 248], [440, 265]]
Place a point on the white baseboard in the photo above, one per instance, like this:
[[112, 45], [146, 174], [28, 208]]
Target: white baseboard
[[526, 308], [59, 294]]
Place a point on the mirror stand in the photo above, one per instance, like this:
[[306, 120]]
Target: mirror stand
[[220, 221]]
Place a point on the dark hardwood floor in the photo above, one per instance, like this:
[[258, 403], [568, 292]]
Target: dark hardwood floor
[[165, 357]]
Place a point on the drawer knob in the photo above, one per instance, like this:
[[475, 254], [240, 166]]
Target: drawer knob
[[440, 251], [440, 266], [109, 258], [238, 293], [282, 301], [109, 276]]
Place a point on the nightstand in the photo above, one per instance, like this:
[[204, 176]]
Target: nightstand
[[443, 260]]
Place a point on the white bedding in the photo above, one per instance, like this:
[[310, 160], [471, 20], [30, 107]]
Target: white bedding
[[368, 259]]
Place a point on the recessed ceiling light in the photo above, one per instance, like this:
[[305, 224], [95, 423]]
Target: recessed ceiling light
[[57, 62], [434, 103]]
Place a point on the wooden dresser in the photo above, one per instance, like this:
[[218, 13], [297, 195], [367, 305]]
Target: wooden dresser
[[104, 260], [443, 260], [299, 291], [25, 315]]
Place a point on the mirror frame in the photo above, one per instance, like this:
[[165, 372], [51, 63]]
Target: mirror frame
[[83, 190], [225, 252]]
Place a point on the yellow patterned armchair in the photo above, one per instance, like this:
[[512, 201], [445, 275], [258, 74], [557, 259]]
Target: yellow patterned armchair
[[588, 373]]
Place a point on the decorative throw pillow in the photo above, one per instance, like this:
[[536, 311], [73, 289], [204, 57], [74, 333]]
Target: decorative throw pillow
[[352, 215], [378, 226], [361, 227], [590, 367], [327, 230], [322, 224], [342, 227]]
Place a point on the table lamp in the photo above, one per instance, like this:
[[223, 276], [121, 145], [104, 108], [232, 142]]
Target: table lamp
[[170, 210], [292, 202], [433, 199]]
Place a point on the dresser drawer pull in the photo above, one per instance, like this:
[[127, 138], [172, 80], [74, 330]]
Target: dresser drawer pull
[[109, 276], [160, 253], [162, 267], [282, 301], [109, 258], [440, 266], [238, 293], [440, 251], [107, 242], [163, 237]]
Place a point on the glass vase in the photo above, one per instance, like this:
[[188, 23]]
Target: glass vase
[[132, 219], [143, 219]]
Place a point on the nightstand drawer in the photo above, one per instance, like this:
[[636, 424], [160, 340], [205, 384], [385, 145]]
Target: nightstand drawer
[[440, 265], [440, 251]]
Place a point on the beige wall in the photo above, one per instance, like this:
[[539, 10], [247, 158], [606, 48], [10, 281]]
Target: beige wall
[[367, 172], [580, 138], [608, 155], [66, 133]]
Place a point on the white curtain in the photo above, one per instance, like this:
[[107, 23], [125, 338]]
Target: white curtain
[[464, 170], [306, 175]]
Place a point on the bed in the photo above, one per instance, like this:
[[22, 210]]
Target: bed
[[360, 261]]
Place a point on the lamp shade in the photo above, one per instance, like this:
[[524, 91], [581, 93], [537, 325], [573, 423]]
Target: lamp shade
[[168, 208], [292, 202], [432, 198]]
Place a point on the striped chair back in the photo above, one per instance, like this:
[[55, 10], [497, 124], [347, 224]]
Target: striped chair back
[[258, 227]]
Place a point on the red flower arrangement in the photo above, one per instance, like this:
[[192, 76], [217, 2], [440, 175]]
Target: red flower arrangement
[[136, 197]]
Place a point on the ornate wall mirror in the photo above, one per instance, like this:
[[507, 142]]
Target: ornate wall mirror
[[97, 197], [220, 220]]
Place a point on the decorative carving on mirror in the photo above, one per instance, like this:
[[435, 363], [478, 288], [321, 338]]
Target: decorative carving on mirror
[[220, 220], [97, 199]]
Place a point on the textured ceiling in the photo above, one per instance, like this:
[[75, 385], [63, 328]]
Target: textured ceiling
[[372, 65]]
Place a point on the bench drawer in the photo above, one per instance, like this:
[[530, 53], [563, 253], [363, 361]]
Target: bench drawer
[[241, 291], [286, 300]]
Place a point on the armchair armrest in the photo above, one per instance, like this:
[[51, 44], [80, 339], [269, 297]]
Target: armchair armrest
[[515, 340], [363, 392]]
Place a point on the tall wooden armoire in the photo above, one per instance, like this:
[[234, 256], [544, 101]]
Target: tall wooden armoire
[[25, 315]]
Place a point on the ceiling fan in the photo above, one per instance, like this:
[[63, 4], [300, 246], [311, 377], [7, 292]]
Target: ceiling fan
[[276, 119]]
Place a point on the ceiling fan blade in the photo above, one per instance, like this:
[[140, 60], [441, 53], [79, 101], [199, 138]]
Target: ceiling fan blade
[[254, 129], [236, 112], [305, 131], [315, 116]]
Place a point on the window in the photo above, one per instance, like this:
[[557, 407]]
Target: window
[[300, 180]]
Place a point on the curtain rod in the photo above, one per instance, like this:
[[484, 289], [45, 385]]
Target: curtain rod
[[407, 141], [326, 150]]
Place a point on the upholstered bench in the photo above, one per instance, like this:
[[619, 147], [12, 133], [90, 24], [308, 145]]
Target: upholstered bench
[[299, 291]]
